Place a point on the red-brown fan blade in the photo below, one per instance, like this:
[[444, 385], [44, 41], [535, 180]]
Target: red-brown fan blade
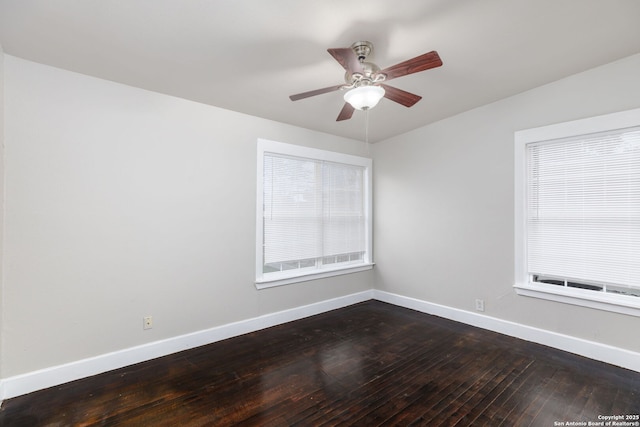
[[347, 58], [314, 92], [346, 112], [415, 65], [400, 96]]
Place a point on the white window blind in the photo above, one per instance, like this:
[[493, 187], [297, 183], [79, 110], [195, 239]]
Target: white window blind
[[314, 213], [312, 210], [583, 210]]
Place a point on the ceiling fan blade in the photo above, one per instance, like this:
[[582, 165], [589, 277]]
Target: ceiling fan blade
[[347, 58], [415, 65], [400, 96], [314, 92], [346, 112]]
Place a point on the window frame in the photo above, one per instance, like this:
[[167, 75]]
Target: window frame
[[523, 285], [268, 280]]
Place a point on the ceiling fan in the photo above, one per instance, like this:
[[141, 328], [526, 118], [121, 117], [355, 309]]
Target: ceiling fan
[[365, 79]]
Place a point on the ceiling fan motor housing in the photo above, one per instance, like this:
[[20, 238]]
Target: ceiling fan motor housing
[[369, 75], [370, 71]]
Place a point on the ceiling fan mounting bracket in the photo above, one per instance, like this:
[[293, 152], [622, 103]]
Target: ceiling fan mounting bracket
[[362, 49]]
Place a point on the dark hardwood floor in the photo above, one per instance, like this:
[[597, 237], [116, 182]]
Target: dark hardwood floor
[[365, 365]]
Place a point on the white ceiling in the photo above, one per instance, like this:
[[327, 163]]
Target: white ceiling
[[250, 55]]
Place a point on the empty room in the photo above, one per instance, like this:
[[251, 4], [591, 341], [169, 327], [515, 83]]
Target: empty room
[[319, 213]]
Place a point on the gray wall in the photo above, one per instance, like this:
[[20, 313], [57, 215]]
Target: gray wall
[[444, 202], [1, 208], [122, 203]]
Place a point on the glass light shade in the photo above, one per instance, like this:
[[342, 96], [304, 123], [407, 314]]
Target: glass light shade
[[364, 97]]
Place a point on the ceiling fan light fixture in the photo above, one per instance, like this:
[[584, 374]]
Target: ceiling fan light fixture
[[364, 97]]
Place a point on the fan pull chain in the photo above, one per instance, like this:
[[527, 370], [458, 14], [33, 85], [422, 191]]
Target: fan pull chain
[[366, 127], [366, 131]]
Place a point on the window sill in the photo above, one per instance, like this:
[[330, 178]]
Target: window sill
[[628, 305], [287, 280]]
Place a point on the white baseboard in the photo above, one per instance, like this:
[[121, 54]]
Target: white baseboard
[[56, 375], [593, 350]]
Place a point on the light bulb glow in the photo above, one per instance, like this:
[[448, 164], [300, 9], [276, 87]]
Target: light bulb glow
[[364, 97]]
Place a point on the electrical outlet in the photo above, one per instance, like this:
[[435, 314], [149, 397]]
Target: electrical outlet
[[480, 305], [147, 322]]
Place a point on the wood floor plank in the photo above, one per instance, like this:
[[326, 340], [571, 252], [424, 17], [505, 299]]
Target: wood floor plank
[[364, 365], [471, 414], [446, 392], [457, 410], [394, 380]]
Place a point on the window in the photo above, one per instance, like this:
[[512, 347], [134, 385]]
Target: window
[[313, 214], [578, 212]]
